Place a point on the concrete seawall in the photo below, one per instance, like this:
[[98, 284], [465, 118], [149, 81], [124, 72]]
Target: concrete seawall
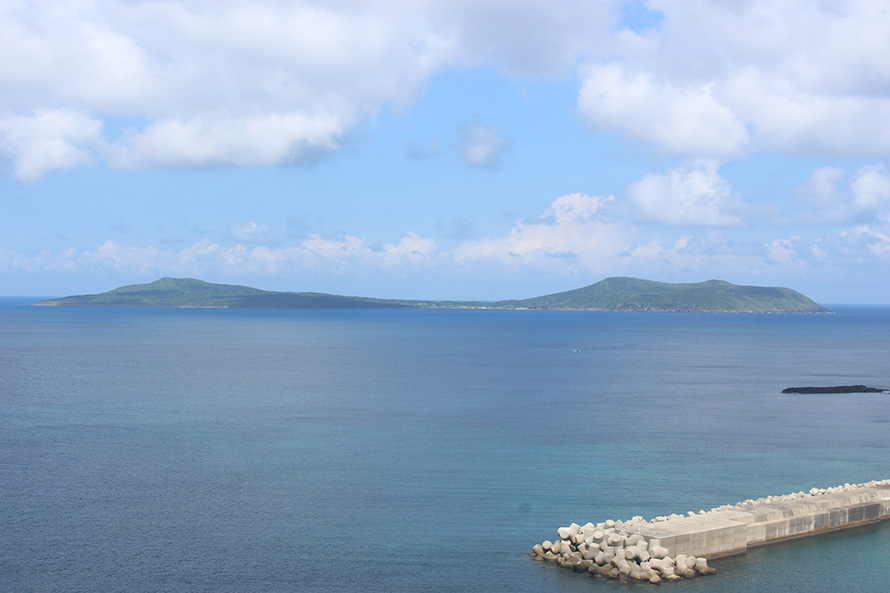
[[667, 548]]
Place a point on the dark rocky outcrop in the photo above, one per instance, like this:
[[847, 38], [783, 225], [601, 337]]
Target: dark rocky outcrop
[[834, 389]]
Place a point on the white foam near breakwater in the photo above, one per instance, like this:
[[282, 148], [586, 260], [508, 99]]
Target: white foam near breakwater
[[674, 547]]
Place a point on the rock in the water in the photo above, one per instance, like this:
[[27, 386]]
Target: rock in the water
[[834, 389]]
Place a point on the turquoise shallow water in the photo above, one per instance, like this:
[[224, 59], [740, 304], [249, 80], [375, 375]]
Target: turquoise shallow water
[[400, 451]]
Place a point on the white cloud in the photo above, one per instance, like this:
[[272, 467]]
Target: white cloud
[[336, 255], [252, 232], [572, 233], [723, 255], [222, 139], [481, 144], [81, 53], [411, 250], [112, 254], [821, 189], [49, 139], [782, 250], [341, 255], [685, 118], [318, 248], [538, 38], [575, 237], [818, 251], [220, 83], [721, 78], [692, 194], [198, 251], [682, 242], [876, 241], [871, 188], [266, 82], [695, 259], [838, 196]]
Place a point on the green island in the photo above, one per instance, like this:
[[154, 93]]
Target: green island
[[611, 294]]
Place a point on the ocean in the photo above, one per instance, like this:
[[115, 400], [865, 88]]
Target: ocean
[[210, 450]]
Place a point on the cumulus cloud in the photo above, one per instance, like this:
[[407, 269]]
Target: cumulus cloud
[[334, 255], [821, 189], [222, 83], [199, 251], [573, 228], [542, 38], [411, 250], [694, 258], [876, 241], [782, 250], [573, 234], [722, 255], [262, 83], [684, 117], [838, 196], [222, 139], [692, 194], [871, 189], [252, 232], [49, 139], [481, 144], [267, 83], [112, 254], [720, 78]]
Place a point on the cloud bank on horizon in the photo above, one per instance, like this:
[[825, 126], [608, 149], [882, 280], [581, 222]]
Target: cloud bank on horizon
[[664, 138]]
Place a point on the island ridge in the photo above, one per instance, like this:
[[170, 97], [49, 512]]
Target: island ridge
[[611, 294]]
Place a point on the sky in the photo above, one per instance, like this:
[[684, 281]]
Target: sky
[[445, 149]]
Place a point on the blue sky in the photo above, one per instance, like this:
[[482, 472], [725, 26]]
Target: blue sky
[[449, 149]]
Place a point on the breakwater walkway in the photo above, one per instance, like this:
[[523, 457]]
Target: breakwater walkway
[[679, 546]]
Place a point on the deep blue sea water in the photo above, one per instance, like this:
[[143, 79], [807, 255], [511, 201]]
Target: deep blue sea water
[[181, 450]]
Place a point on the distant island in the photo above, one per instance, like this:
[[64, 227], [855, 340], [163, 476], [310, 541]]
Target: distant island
[[611, 294]]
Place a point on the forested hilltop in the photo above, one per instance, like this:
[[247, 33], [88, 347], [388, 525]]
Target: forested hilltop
[[713, 296], [611, 294]]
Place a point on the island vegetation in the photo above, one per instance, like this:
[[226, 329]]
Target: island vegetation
[[611, 294], [713, 296]]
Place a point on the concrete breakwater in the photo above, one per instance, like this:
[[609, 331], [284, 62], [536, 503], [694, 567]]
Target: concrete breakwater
[[670, 548]]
